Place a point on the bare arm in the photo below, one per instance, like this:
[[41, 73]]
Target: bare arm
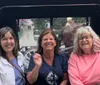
[[65, 79], [96, 44], [33, 75]]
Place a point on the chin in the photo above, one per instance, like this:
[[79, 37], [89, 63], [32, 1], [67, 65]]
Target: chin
[[48, 49], [86, 49], [10, 50]]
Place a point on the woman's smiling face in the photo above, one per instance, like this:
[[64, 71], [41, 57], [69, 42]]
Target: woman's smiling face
[[85, 41], [8, 42], [48, 42]]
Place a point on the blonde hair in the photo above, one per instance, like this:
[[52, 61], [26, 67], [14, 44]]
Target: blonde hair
[[79, 32]]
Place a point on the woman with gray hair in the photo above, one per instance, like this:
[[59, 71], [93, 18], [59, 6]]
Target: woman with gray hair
[[83, 65]]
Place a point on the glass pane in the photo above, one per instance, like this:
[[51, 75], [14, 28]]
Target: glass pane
[[65, 29], [29, 31]]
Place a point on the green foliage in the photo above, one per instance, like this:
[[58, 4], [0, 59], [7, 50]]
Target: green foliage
[[79, 19], [39, 23], [58, 23]]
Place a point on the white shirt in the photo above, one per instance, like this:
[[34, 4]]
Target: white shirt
[[7, 76]]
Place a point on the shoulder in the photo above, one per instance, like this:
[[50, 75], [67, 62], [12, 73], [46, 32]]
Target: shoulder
[[73, 56], [67, 24], [4, 65], [3, 61], [62, 56]]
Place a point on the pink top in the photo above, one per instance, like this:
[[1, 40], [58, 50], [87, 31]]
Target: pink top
[[84, 70]]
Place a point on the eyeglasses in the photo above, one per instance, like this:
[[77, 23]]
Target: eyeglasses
[[85, 37]]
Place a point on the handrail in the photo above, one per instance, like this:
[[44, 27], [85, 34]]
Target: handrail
[[61, 5]]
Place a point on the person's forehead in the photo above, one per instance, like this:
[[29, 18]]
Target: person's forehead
[[85, 34], [7, 33], [48, 35]]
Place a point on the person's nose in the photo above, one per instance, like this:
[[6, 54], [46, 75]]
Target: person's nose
[[48, 40], [8, 40], [84, 39]]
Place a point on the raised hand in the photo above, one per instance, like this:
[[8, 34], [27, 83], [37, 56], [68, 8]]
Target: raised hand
[[37, 59], [96, 44]]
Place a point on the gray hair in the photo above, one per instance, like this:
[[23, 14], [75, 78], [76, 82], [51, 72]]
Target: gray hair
[[79, 32]]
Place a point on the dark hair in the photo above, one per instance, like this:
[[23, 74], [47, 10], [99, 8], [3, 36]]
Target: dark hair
[[47, 31], [3, 31]]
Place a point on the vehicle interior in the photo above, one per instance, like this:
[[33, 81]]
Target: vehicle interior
[[11, 10]]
